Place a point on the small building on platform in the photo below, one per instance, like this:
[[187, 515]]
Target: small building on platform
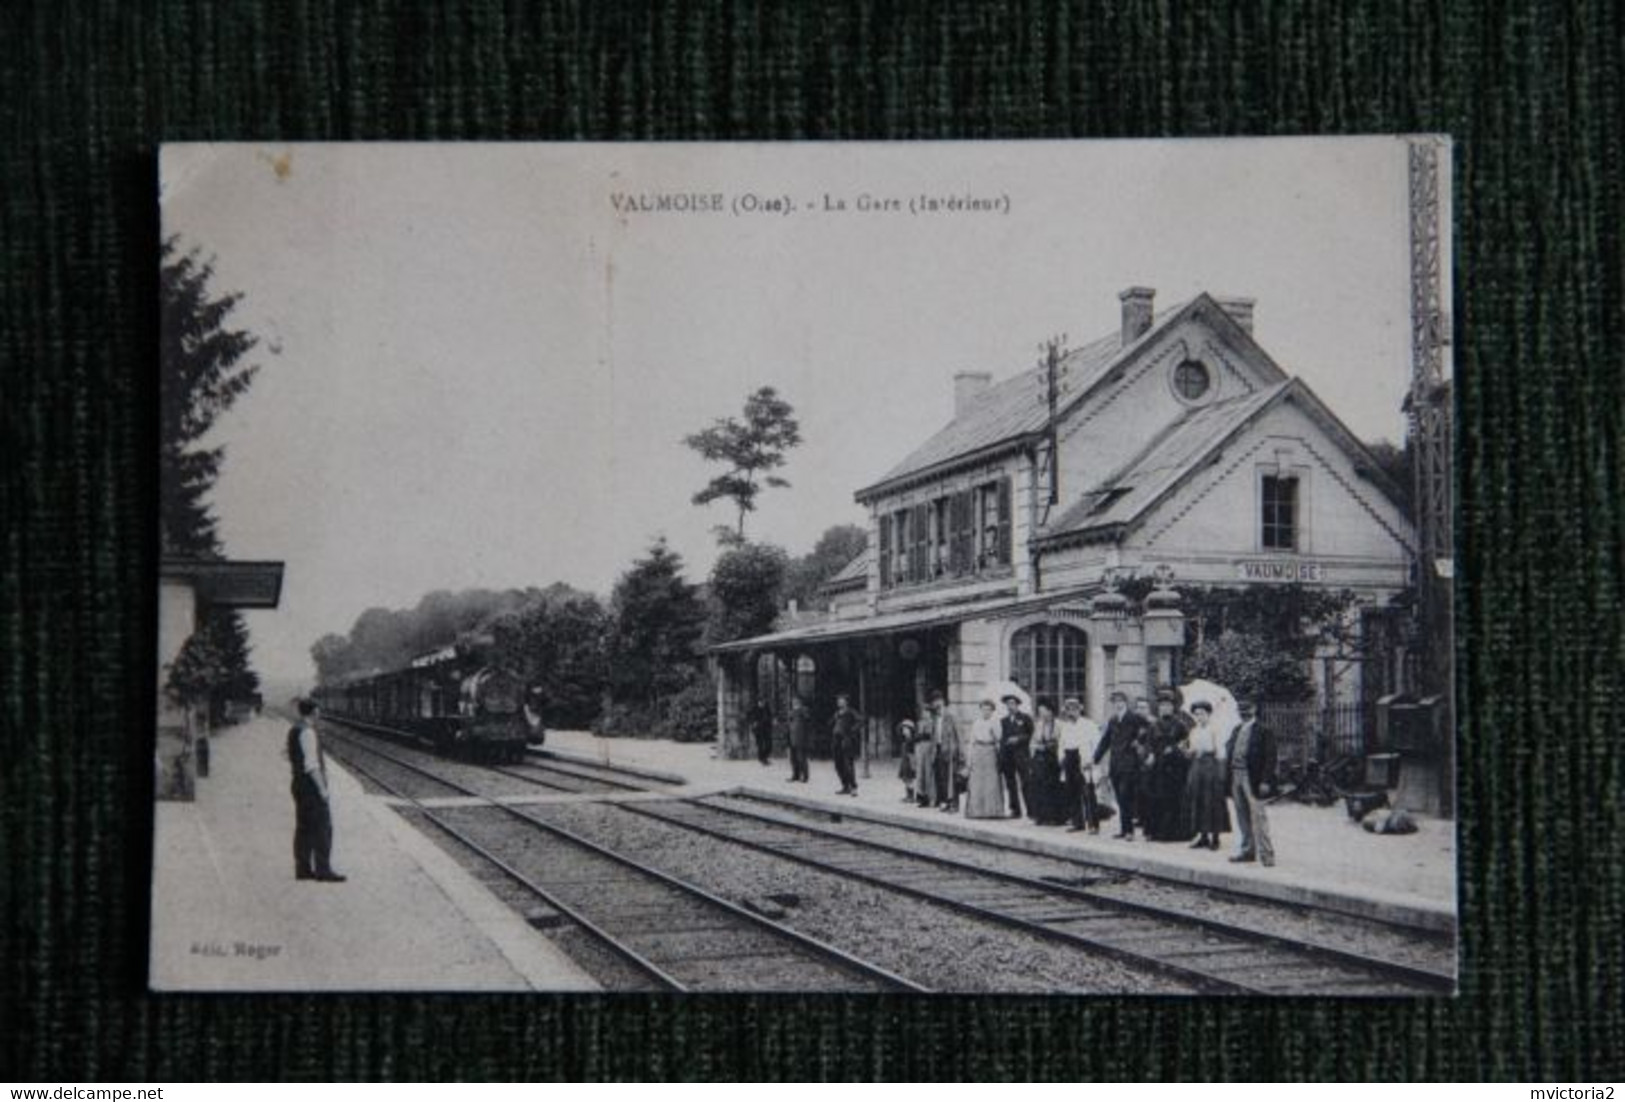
[[187, 589], [1174, 447]]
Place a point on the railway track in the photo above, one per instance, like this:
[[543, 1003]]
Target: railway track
[[1211, 955], [568, 778], [1176, 942], [675, 934], [539, 769]]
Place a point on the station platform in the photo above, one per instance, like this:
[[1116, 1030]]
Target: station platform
[[1323, 859], [228, 915]]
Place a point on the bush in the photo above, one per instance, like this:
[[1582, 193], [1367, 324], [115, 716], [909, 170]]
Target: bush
[[1251, 666], [691, 715]]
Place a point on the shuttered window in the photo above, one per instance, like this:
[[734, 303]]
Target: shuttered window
[[900, 549], [1005, 533], [920, 549], [939, 538], [994, 538], [962, 540]]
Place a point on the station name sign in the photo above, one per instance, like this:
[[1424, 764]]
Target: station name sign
[[1280, 570]]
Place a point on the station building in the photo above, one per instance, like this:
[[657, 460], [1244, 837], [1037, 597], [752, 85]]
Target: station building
[[187, 589], [1174, 448]]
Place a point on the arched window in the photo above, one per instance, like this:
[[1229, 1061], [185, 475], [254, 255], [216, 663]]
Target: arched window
[[1050, 660]]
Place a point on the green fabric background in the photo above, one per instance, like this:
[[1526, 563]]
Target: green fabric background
[[1531, 91]]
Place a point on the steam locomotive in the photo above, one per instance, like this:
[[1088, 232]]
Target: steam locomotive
[[449, 700]]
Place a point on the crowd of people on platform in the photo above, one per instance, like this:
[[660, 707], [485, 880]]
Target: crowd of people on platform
[[1170, 774]]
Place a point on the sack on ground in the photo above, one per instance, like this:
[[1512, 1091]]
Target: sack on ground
[[1391, 821]]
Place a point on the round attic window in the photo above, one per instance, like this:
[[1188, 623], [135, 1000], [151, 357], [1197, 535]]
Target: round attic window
[[1192, 380]]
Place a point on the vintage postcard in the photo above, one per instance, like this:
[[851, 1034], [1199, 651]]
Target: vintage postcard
[[932, 567]]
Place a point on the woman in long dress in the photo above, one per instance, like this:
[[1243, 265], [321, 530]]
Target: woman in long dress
[[1045, 800], [985, 796], [1168, 818], [1204, 786]]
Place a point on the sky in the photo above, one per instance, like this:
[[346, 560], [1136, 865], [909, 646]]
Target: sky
[[476, 371]]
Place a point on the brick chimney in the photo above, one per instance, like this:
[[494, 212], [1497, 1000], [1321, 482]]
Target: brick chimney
[[1136, 312], [968, 387], [1240, 309]]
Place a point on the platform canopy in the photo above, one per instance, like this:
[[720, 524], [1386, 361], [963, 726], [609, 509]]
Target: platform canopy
[[829, 631], [228, 583]]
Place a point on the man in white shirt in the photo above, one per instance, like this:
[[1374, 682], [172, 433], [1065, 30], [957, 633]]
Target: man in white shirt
[[1078, 735], [313, 817]]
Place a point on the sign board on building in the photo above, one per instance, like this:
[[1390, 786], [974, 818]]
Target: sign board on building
[[1280, 570]]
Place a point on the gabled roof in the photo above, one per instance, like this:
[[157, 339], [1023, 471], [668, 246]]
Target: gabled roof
[[1012, 411], [1127, 496], [854, 574], [1162, 464], [1006, 411]]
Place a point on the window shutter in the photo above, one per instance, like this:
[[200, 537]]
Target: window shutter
[[1004, 522], [920, 548], [958, 521], [900, 547], [885, 552]]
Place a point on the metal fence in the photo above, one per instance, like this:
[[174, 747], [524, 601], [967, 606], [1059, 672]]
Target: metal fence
[[1321, 732]]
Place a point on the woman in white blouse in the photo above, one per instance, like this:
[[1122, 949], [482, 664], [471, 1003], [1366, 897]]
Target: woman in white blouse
[[1204, 787], [984, 795]]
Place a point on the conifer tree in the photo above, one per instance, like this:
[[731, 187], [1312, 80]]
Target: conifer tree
[[203, 373], [656, 622]]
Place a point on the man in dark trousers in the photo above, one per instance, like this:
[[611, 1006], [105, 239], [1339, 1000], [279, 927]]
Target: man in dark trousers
[[1015, 737], [1127, 738], [938, 756], [760, 717], [800, 733], [1251, 754], [313, 817], [846, 731]]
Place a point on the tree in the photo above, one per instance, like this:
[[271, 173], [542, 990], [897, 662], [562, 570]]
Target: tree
[[1259, 639], [557, 644], [202, 373], [239, 682], [752, 448], [746, 584], [383, 638], [333, 657], [212, 665], [655, 627], [837, 547], [1251, 666]]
